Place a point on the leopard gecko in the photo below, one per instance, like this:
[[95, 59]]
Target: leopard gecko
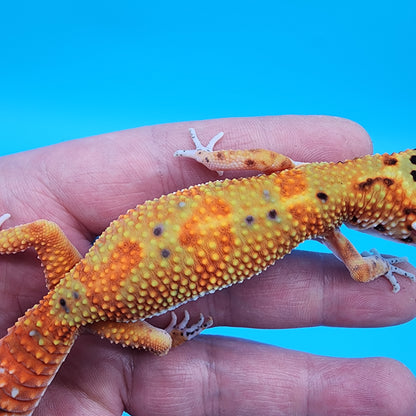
[[181, 246]]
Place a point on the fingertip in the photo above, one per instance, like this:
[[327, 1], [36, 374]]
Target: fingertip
[[352, 138], [321, 138], [379, 386], [396, 387]]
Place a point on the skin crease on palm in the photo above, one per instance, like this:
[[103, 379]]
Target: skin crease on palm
[[84, 184]]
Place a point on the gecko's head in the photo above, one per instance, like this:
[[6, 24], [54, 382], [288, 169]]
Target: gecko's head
[[389, 199]]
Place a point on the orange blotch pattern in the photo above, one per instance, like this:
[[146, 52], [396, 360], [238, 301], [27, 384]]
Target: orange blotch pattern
[[106, 274], [198, 229], [293, 183]]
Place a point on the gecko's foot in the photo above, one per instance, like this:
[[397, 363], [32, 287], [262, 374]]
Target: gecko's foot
[[4, 218], [390, 263], [198, 145], [181, 332], [200, 150]]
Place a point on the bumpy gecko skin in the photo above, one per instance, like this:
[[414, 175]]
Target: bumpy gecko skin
[[184, 245]]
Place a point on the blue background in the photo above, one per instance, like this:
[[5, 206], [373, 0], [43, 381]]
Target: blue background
[[74, 69]]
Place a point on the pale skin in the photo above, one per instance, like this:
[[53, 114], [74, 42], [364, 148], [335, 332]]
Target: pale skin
[[82, 185]]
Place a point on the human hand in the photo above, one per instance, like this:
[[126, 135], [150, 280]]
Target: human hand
[[82, 185]]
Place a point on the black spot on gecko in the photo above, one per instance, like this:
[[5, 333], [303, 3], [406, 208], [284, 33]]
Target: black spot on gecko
[[380, 228], [322, 196], [207, 160], [75, 294], [272, 214], [158, 230], [407, 240], [367, 184], [389, 160], [165, 253], [62, 302], [408, 211], [249, 162], [354, 219], [249, 219], [413, 173], [413, 159]]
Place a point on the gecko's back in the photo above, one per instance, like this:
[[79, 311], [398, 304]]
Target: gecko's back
[[191, 242]]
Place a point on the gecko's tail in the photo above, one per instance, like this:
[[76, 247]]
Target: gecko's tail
[[29, 361]]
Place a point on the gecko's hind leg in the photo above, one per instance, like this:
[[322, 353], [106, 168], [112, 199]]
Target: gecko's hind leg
[[139, 334], [54, 250], [142, 335]]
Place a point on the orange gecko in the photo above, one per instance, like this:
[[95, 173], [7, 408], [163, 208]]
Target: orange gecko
[[184, 245]]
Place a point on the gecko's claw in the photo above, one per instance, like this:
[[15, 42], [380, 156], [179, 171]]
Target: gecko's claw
[[181, 332]]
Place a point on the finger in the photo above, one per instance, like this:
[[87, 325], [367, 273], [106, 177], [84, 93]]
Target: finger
[[306, 289], [92, 380], [113, 172], [233, 377]]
